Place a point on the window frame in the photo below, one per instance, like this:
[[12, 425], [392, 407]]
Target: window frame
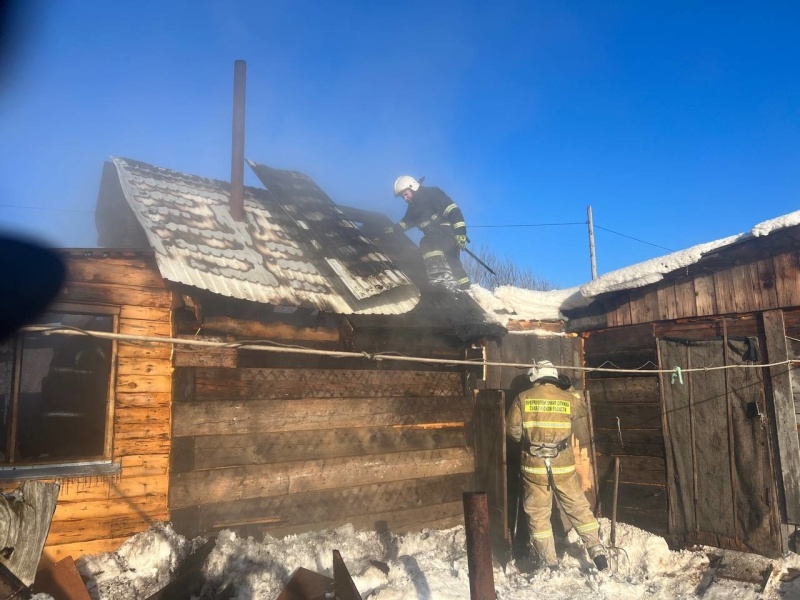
[[97, 465]]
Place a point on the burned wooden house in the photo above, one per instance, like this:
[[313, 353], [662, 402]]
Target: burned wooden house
[[244, 374], [693, 388]]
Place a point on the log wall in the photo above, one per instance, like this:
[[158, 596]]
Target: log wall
[[284, 450], [96, 514]]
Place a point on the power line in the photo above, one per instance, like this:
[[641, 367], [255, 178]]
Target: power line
[[46, 208], [630, 237]]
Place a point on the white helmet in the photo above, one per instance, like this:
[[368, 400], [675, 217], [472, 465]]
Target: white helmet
[[403, 183], [544, 368]]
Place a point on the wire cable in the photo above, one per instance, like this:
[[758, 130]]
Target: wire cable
[[630, 237], [381, 356]]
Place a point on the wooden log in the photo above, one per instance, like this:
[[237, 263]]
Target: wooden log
[[438, 516], [142, 400], [145, 313], [257, 481], [91, 293], [235, 384], [338, 505], [257, 330], [207, 357], [785, 420], [211, 452], [24, 524], [227, 417], [144, 465], [152, 351]]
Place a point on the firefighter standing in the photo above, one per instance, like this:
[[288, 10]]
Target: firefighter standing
[[444, 229], [541, 418]]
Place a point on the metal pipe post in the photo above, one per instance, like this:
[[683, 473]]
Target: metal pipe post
[[479, 549], [591, 242], [237, 150]]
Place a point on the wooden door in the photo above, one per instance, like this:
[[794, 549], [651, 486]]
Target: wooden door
[[716, 434]]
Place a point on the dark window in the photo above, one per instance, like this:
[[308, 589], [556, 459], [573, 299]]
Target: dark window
[[55, 392]]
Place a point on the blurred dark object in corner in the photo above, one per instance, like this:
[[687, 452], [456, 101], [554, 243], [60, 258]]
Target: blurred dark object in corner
[[30, 277]]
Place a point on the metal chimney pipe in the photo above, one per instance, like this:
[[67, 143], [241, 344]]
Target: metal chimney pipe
[[237, 151]]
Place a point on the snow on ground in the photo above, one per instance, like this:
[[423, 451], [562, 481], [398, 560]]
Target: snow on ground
[[431, 565]]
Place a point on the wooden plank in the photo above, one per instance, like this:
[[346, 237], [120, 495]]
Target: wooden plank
[[685, 305], [785, 420], [148, 443], [24, 523], [725, 287], [336, 505], [627, 415], [622, 314], [142, 400], [623, 389], [143, 366], [233, 384], [92, 293], [211, 452], [102, 527], [634, 469], [114, 270], [136, 417], [154, 351], [150, 486], [56, 552], [221, 417], [145, 313], [787, 279], [257, 481], [145, 328], [143, 383], [748, 289], [144, 464], [767, 284], [667, 302], [705, 294], [70, 512]]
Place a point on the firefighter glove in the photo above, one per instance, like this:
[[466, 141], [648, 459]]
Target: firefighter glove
[[461, 240]]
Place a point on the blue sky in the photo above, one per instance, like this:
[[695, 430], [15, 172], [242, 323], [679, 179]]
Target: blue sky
[[678, 122]]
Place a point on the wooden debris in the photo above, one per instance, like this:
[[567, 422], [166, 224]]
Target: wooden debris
[[25, 517], [343, 583], [62, 581], [307, 585], [708, 577]]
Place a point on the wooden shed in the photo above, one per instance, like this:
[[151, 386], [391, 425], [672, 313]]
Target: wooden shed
[[244, 375], [709, 445]]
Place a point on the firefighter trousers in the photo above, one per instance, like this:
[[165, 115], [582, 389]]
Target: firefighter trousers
[[538, 505]]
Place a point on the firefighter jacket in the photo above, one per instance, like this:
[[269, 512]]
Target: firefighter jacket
[[434, 213], [541, 418]]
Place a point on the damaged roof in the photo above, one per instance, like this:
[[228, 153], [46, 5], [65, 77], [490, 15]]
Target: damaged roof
[[294, 247]]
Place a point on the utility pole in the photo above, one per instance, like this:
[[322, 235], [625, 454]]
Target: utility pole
[[591, 242]]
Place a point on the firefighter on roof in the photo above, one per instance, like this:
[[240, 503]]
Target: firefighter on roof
[[444, 229], [541, 418]]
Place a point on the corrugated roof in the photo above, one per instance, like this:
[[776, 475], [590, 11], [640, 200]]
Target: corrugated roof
[[306, 256]]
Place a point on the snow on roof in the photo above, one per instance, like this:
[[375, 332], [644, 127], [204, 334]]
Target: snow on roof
[[511, 303]]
